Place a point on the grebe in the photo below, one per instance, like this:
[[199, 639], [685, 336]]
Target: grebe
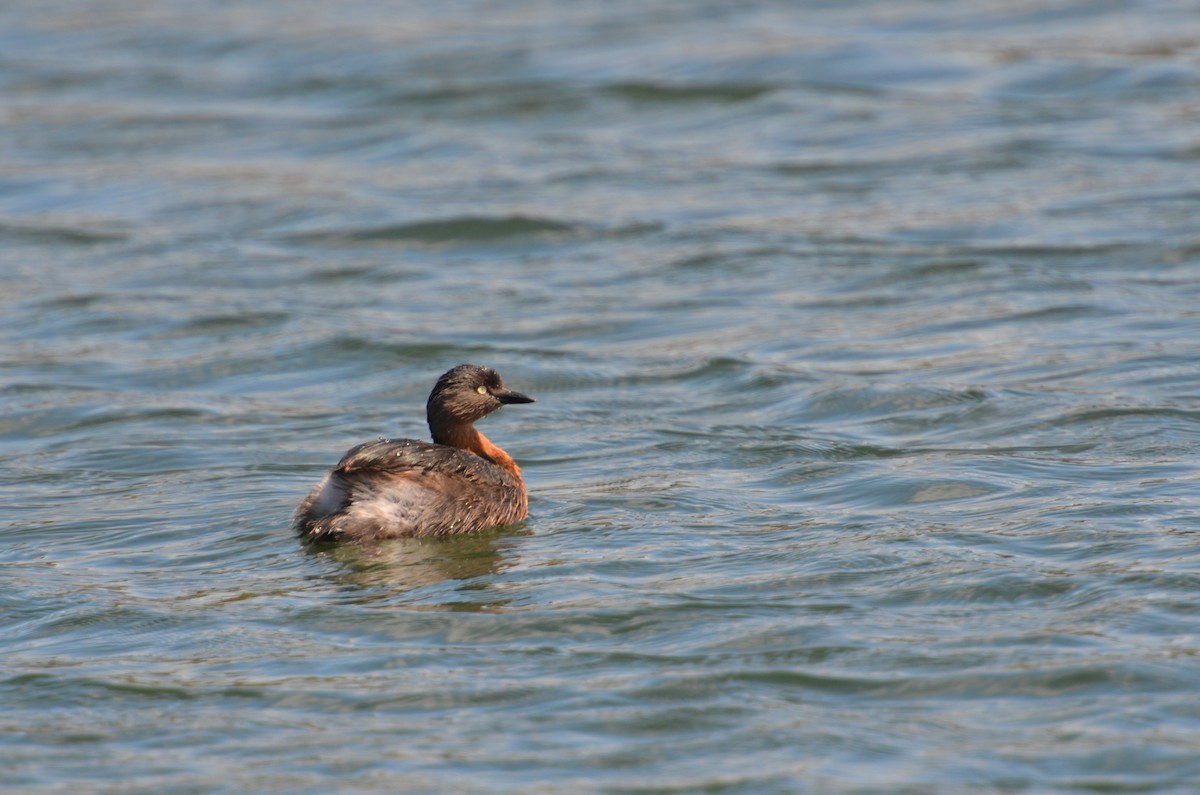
[[394, 488]]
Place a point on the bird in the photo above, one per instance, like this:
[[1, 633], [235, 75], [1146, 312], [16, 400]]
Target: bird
[[407, 488]]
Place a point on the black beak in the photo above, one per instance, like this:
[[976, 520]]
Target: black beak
[[508, 396]]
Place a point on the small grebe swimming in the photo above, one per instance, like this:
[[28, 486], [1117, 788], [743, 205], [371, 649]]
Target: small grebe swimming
[[394, 488]]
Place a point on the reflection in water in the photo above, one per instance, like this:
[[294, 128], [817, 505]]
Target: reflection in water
[[403, 564]]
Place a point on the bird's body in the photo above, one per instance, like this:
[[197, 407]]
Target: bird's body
[[392, 488]]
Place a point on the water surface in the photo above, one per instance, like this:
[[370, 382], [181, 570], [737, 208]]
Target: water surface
[[864, 337]]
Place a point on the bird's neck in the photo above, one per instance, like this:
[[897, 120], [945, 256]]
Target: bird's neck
[[464, 436]]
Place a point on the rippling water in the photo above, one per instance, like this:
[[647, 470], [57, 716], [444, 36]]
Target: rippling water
[[865, 341]]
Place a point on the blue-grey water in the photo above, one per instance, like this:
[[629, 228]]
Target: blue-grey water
[[866, 343]]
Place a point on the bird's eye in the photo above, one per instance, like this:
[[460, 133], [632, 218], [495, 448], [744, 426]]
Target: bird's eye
[[481, 390]]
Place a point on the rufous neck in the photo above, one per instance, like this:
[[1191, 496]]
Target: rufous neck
[[465, 436]]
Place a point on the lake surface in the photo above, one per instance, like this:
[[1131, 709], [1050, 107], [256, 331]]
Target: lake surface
[[865, 338]]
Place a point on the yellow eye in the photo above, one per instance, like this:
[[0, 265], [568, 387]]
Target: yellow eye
[[481, 390]]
